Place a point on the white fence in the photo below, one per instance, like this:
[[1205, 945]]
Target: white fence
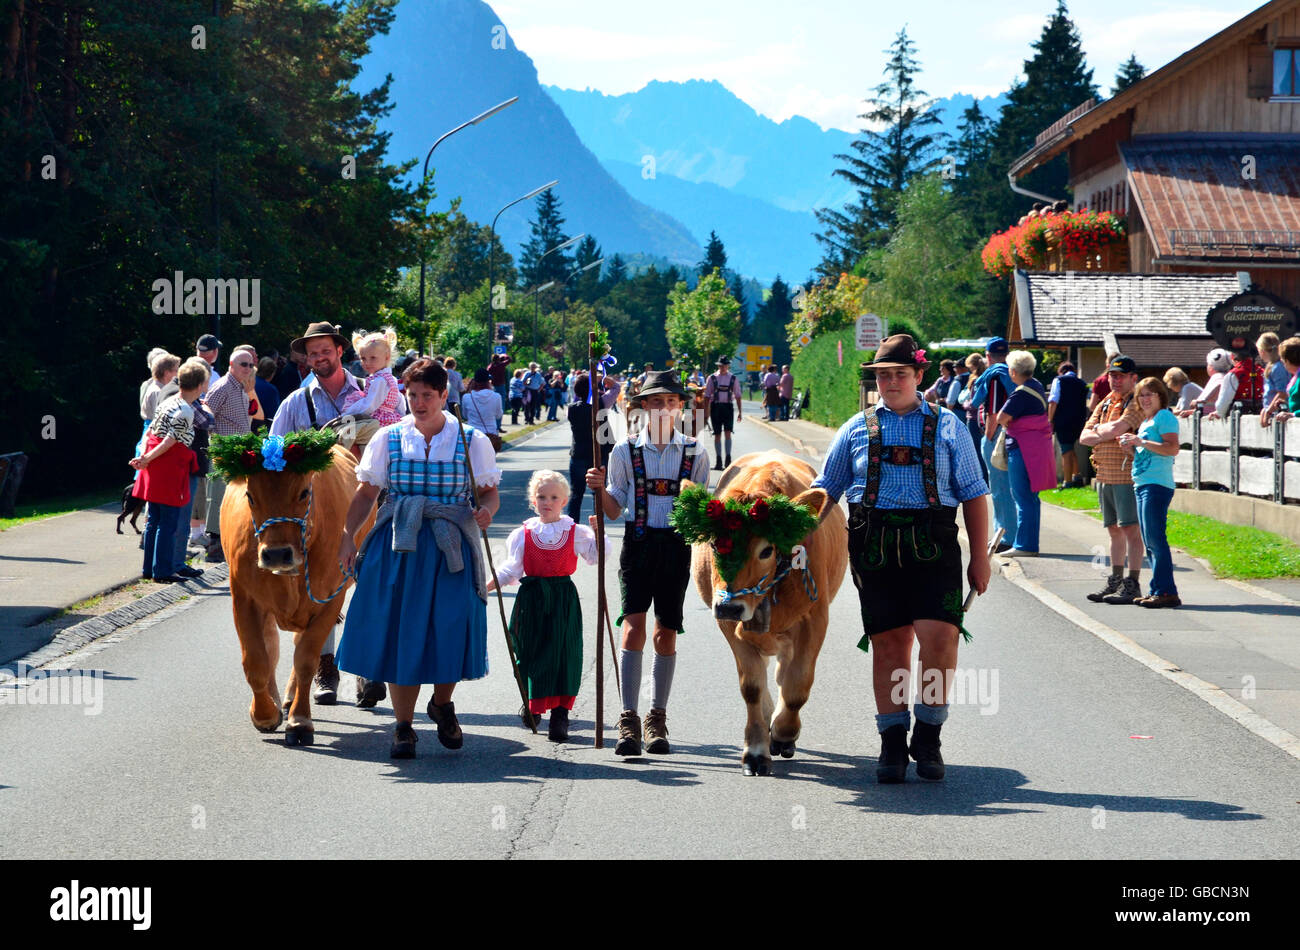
[[1240, 455]]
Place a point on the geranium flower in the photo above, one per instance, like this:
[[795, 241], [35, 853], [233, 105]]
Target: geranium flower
[[294, 453], [760, 510], [714, 509]]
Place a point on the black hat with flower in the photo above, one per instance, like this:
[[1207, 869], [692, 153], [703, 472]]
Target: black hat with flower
[[238, 456], [731, 525]]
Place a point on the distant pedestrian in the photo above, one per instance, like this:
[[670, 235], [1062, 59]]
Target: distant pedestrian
[[482, 408], [209, 347], [1179, 385], [990, 392], [267, 394], [455, 383], [786, 387], [516, 395], [1287, 404], [233, 405], [772, 393], [534, 386], [1152, 449], [1114, 416], [1100, 386], [1067, 412], [1276, 378], [722, 396], [499, 371], [580, 454], [1031, 463], [554, 396]]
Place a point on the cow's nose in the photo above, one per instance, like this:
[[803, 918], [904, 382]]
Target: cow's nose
[[729, 611], [274, 559]]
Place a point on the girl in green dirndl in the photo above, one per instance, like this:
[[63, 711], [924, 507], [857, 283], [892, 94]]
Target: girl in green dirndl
[[546, 624]]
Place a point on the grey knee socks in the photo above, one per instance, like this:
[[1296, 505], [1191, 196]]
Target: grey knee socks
[[629, 671], [661, 675]]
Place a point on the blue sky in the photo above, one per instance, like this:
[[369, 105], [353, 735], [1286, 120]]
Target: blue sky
[[819, 58]]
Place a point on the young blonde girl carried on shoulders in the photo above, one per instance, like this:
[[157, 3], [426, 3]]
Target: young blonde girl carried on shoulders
[[546, 624]]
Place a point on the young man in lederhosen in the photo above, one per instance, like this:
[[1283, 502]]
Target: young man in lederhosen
[[644, 477], [722, 393], [906, 466]]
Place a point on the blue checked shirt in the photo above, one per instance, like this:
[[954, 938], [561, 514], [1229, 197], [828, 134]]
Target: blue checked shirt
[[957, 467], [621, 484]]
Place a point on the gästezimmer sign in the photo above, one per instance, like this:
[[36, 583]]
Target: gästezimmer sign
[[1237, 323]]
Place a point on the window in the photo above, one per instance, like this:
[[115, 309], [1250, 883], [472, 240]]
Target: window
[[1286, 65]]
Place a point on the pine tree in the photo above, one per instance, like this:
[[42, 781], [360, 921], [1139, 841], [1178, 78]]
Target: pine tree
[[615, 272], [715, 256], [977, 177], [737, 290], [1130, 72], [1057, 79], [769, 322], [588, 286], [535, 265], [884, 161]]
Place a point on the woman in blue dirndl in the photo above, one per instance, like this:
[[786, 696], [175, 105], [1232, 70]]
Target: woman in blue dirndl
[[419, 611]]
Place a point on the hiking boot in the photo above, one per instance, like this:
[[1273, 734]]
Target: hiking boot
[[1161, 600], [1128, 591], [404, 740], [326, 682], [444, 716], [925, 749], [891, 764], [370, 692], [629, 734], [656, 732], [1112, 585], [717, 466], [558, 730], [728, 465]]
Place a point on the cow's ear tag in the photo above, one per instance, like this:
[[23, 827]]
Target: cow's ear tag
[[798, 558]]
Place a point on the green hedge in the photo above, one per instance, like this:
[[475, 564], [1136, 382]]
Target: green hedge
[[833, 389]]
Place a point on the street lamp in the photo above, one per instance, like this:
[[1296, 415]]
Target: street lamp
[[564, 320], [536, 293], [464, 125], [492, 233]]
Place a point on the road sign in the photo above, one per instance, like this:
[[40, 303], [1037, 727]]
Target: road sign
[[805, 339], [757, 358], [505, 333], [870, 331], [499, 349]]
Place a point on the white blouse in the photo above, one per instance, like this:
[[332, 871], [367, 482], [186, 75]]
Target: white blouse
[[373, 468], [548, 536]]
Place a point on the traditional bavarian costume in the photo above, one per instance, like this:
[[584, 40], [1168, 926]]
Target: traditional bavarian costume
[[722, 390], [655, 563], [905, 474], [546, 624], [418, 614]]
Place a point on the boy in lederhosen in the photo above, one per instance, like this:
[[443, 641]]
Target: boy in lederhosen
[[906, 466], [644, 478]]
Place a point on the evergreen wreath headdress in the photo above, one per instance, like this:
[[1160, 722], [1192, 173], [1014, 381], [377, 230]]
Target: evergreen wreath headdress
[[730, 526], [238, 456]]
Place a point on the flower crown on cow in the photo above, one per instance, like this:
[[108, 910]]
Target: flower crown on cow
[[730, 525], [238, 456]]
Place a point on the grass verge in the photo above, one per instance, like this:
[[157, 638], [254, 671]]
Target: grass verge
[[1236, 551], [59, 506], [512, 433]]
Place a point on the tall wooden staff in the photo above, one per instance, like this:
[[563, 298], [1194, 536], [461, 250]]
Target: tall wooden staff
[[593, 361], [501, 603]]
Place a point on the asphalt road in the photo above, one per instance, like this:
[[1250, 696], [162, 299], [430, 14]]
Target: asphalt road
[[1041, 760]]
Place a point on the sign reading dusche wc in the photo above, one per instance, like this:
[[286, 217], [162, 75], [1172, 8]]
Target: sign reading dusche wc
[[1237, 323]]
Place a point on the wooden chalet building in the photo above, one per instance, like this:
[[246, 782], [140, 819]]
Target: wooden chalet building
[[1202, 157]]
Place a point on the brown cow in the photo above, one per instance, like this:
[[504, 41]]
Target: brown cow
[[793, 627], [268, 582]]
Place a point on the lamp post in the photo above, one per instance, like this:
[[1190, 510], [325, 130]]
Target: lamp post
[[464, 125], [564, 320], [492, 233], [536, 293]]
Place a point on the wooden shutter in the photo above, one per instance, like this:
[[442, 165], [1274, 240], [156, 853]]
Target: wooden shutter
[[1259, 71]]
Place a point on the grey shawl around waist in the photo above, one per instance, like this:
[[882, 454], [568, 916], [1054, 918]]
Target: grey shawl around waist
[[450, 524]]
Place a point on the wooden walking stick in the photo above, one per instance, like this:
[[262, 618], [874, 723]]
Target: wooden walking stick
[[593, 362], [501, 603]]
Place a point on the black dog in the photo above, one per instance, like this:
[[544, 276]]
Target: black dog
[[131, 508]]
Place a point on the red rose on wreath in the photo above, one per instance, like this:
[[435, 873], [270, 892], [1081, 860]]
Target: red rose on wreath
[[252, 459], [724, 545], [760, 510], [733, 521], [293, 452], [714, 509]]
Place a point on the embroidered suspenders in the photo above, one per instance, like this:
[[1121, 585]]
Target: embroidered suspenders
[[901, 455], [655, 486]]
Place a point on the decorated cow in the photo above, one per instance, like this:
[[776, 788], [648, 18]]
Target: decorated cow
[[769, 555], [281, 523]]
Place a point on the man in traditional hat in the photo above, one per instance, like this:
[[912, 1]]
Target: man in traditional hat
[[906, 466], [722, 397], [314, 406], [644, 478]]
